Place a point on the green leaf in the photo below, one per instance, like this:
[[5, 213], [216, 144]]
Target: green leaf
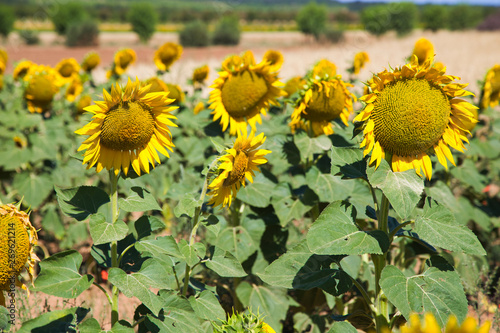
[[34, 188], [4, 319], [207, 306], [151, 275], [438, 227], [145, 226], [217, 145], [55, 321], [225, 264], [238, 242], [334, 233], [104, 232], [52, 221], [299, 268], [80, 202], [309, 146], [342, 327], [90, 325], [187, 205], [403, 189], [328, 187], [438, 290], [59, 275], [192, 253], [258, 193], [468, 174], [348, 162], [161, 245], [287, 208], [118, 327], [139, 201]]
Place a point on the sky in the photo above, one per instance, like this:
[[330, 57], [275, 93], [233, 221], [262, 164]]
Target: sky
[[447, 2]]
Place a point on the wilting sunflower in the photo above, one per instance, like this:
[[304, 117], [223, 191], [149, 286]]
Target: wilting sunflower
[[66, 68], [123, 58], [22, 69], [490, 94], [431, 325], [239, 163], [413, 112], [242, 92], [166, 55], [74, 88], [90, 61], [274, 58], [423, 50], [200, 74], [323, 99], [128, 128], [16, 253], [43, 83], [360, 60]]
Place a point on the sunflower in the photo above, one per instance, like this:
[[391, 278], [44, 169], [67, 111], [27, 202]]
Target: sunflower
[[1, 82], [83, 102], [4, 57], [323, 99], [16, 253], [274, 58], [166, 55], [200, 74], [90, 61], [128, 128], [423, 50], [2, 67], [360, 59], [43, 83], [431, 325], [490, 93], [293, 85], [74, 88], [200, 106], [157, 85], [20, 142], [123, 58], [242, 92], [413, 112], [239, 163], [22, 69], [66, 68], [176, 93]]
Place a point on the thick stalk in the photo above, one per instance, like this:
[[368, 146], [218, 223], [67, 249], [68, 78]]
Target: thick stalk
[[114, 245], [379, 262]]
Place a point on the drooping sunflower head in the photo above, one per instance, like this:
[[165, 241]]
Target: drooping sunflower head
[[430, 325], [423, 50], [128, 128], [322, 99], [238, 164], [21, 69], [293, 85], [274, 58], [91, 61], [74, 89], [17, 240], [200, 74], [42, 84], [360, 59], [123, 58], [67, 67], [243, 92], [324, 69], [157, 85], [490, 94], [412, 112], [166, 55], [176, 93]]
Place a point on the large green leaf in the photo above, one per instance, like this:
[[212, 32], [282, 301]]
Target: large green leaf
[[161, 245], [328, 187], [348, 162], [55, 321], [334, 233], [187, 205], [403, 189], [59, 275], [437, 290], [258, 193], [52, 221], [286, 207], [299, 268], [80, 202], [437, 226], [225, 264], [468, 174], [34, 188], [139, 200], [146, 225], [308, 146], [238, 242], [192, 253], [151, 275], [104, 232], [342, 327], [207, 306], [5, 320]]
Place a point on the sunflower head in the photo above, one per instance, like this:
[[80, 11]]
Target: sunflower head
[[423, 50], [82, 103], [176, 93], [67, 67], [16, 253], [239, 163], [413, 112], [243, 322], [243, 92], [123, 58], [293, 85], [274, 58], [74, 88], [324, 69], [490, 94], [2, 67], [91, 61], [430, 324], [20, 142], [166, 55], [128, 128], [200, 74], [21, 69], [42, 85], [157, 85], [360, 59], [4, 57]]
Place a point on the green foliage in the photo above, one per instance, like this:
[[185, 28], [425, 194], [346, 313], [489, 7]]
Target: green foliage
[[434, 17], [403, 17], [464, 17], [227, 31], [83, 33], [143, 18], [194, 34], [30, 37], [333, 35], [7, 19], [376, 19], [66, 15], [312, 19]]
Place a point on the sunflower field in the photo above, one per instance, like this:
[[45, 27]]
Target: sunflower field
[[320, 204]]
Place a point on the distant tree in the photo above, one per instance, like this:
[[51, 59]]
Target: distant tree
[[66, 15], [143, 18], [434, 17], [312, 19], [376, 19], [403, 17], [7, 19]]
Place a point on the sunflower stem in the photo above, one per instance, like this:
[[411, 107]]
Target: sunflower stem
[[114, 245], [379, 262]]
